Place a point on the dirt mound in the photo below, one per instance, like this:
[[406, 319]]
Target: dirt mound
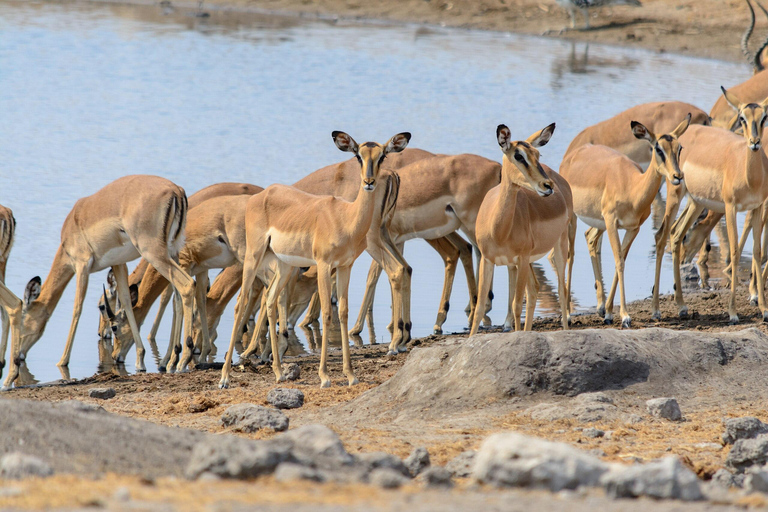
[[459, 373], [74, 437]]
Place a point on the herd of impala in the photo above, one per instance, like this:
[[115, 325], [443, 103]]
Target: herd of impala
[[287, 249]]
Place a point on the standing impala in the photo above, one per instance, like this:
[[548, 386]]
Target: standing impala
[[133, 216], [726, 173], [611, 192], [515, 226], [303, 229], [10, 304]]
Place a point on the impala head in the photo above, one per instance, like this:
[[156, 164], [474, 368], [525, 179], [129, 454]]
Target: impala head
[[523, 155], [751, 118], [665, 149], [34, 314], [118, 323], [370, 154], [105, 330]]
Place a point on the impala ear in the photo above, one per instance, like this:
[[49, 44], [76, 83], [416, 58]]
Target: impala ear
[[504, 136], [32, 290], [134, 290], [680, 130], [111, 281], [641, 132], [397, 143], [344, 142], [541, 137], [731, 98]]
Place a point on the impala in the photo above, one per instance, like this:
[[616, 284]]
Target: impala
[[611, 192], [303, 229], [522, 219], [133, 216], [10, 304], [658, 117], [726, 173]]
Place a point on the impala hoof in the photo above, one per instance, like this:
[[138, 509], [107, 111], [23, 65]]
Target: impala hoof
[[506, 328], [626, 323], [391, 352], [683, 312], [601, 311], [608, 320], [753, 300], [325, 384], [280, 378], [5, 388], [656, 316], [141, 370], [402, 349], [353, 381], [765, 316], [224, 384], [437, 330], [734, 320], [161, 369]]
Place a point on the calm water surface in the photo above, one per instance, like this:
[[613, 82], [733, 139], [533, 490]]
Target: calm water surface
[[90, 93]]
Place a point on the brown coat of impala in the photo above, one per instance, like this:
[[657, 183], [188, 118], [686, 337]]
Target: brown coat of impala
[[658, 117], [611, 192], [133, 216], [726, 173], [303, 229], [10, 304], [521, 220]]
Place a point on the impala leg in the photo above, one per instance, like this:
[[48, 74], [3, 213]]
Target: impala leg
[[367, 305], [12, 306], [465, 255], [509, 322], [733, 242], [531, 298], [450, 255], [201, 291], [282, 308], [620, 251], [324, 288], [280, 279], [560, 253], [484, 287], [702, 261], [313, 311], [757, 259], [4, 336], [402, 287], [594, 242], [523, 269], [82, 287], [165, 298], [342, 289], [680, 228], [124, 294], [174, 345], [674, 195], [571, 260]]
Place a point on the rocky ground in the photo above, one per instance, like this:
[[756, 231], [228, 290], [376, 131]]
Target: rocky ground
[[587, 389], [706, 28]]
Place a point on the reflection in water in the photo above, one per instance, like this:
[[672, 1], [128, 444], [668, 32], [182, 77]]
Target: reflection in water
[[25, 376], [579, 63]]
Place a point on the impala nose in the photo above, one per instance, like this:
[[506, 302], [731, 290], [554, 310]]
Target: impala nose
[[369, 184], [755, 146], [547, 190], [677, 179]]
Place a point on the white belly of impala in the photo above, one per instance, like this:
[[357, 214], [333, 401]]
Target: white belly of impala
[[117, 256], [295, 261], [593, 223], [709, 204]]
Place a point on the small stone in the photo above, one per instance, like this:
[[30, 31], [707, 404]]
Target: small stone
[[17, 465], [285, 398], [666, 408], [122, 494], [608, 435], [317, 446], [375, 460], [250, 418], [436, 477], [10, 492], [747, 453], [663, 479], [78, 406], [743, 428], [292, 371], [387, 478], [102, 393], [461, 465], [633, 419], [710, 447], [597, 452], [724, 478], [202, 404], [756, 482], [289, 471], [417, 461], [593, 433], [234, 457]]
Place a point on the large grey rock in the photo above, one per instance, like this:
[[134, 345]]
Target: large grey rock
[[375, 460], [663, 479], [461, 465], [317, 446], [515, 460], [449, 376], [251, 418], [286, 398], [756, 481], [747, 453], [747, 427], [102, 393], [726, 479], [387, 478], [289, 471], [417, 461], [665, 408], [17, 465], [233, 457], [436, 477]]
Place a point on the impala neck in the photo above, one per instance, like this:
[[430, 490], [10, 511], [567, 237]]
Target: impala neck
[[507, 200], [754, 168], [646, 189], [58, 278], [362, 209]]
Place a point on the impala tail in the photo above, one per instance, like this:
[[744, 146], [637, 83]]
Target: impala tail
[[175, 222], [7, 230]]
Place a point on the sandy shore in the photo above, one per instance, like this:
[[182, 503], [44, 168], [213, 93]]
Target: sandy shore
[[705, 28]]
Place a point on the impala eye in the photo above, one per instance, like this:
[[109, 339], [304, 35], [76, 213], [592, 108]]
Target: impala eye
[[519, 157]]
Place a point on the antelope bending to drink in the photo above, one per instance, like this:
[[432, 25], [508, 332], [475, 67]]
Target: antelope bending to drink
[[303, 229], [10, 304], [133, 216], [726, 173], [611, 192], [516, 227]]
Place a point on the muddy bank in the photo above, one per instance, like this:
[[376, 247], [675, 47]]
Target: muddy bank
[[705, 28]]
